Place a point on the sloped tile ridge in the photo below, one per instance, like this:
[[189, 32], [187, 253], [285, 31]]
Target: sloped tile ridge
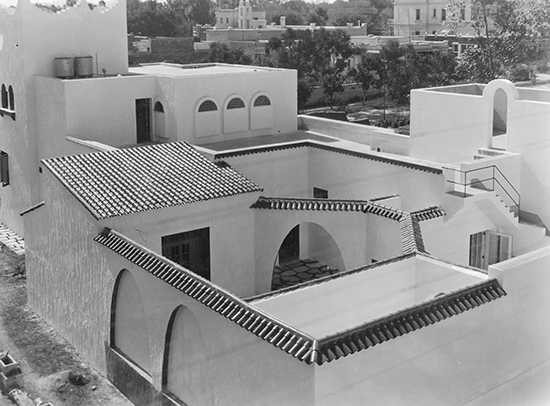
[[317, 204], [328, 278], [93, 145], [411, 234], [428, 213], [295, 343], [126, 181], [386, 158], [408, 320]]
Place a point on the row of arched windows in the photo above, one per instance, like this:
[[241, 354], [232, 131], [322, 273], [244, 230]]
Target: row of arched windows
[[234, 103], [8, 101], [209, 120]]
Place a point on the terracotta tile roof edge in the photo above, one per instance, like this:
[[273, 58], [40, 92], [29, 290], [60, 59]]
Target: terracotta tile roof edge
[[318, 204], [411, 234], [405, 321], [328, 278], [428, 213], [292, 341], [88, 207], [332, 148]]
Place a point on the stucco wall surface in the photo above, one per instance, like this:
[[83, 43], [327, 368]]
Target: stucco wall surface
[[278, 85], [528, 134], [237, 368], [347, 177], [104, 109], [443, 133], [377, 138], [68, 279], [282, 173], [455, 360], [231, 223]]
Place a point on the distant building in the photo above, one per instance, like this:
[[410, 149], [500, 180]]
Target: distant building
[[414, 19], [243, 17]]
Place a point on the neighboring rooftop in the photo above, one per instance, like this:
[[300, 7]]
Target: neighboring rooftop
[[126, 181], [201, 69]]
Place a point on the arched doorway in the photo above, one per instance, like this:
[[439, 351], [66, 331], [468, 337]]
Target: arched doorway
[[307, 252], [500, 119], [184, 359]]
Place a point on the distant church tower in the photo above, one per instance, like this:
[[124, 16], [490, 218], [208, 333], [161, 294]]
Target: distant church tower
[[245, 14]]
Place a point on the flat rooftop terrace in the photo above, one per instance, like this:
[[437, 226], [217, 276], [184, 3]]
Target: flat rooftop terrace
[[177, 70], [337, 305]]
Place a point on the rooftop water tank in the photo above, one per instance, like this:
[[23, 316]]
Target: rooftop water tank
[[83, 66], [64, 67]]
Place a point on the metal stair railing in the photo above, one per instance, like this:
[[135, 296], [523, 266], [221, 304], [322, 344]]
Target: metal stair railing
[[492, 179]]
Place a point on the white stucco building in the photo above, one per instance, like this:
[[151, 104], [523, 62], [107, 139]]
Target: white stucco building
[[157, 204]]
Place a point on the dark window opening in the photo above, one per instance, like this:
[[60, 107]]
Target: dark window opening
[[143, 120], [443, 14], [158, 107], [235, 103], [435, 13], [11, 98], [207, 105], [4, 169], [190, 249], [463, 14], [319, 193], [262, 101], [4, 97], [417, 14]]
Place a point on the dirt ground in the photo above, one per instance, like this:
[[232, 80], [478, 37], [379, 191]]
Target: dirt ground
[[44, 356]]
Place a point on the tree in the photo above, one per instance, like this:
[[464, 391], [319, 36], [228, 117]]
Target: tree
[[220, 52], [319, 56], [402, 69], [366, 73], [506, 33]]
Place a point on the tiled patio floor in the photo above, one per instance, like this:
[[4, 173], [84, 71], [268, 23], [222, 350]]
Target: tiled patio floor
[[302, 270], [11, 240]]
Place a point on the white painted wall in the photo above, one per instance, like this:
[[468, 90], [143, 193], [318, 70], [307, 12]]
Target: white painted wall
[[447, 127], [455, 360]]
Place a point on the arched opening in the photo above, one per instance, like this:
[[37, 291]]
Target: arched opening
[[207, 119], [11, 99], [159, 120], [129, 335], [184, 360], [261, 113], [500, 119], [235, 116], [4, 97], [307, 252]]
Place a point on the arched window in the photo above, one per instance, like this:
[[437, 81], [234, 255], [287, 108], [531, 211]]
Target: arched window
[[11, 99], [261, 113], [4, 97], [235, 103], [158, 107], [159, 120], [207, 105], [262, 101]]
